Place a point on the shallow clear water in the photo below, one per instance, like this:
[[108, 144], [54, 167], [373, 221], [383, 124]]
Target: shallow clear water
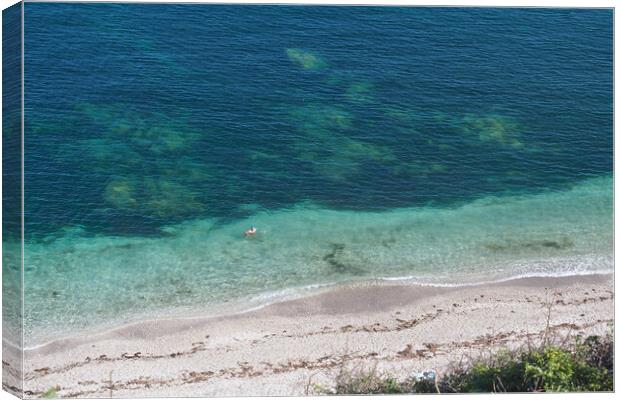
[[446, 146], [201, 264]]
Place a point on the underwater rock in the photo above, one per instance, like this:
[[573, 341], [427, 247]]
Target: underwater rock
[[437, 167], [306, 59], [100, 114], [442, 117], [166, 139], [510, 245], [334, 79], [323, 142], [356, 149], [473, 128], [160, 139], [165, 198], [121, 193], [494, 129], [339, 119], [134, 146], [184, 169], [337, 157], [334, 259], [121, 127], [144, 133], [155, 197], [360, 92], [105, 153]]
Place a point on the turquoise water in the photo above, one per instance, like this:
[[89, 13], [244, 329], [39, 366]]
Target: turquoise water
[[438, 146], [202, 264]]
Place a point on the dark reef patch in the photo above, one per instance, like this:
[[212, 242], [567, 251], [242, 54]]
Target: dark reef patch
[[510, 245], [334, 259]]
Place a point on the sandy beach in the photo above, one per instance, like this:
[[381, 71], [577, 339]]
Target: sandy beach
[[298, 347]]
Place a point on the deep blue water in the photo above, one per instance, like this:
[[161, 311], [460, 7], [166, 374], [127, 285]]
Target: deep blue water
[[223, 74], [445, 145]]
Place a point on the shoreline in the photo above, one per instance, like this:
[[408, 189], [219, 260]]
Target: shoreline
[[166, 275], [286, 295], [274, 348]]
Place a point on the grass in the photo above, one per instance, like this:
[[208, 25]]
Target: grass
[[585, 365]]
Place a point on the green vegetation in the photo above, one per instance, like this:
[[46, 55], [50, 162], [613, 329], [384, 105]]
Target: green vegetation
[[51, 393], [585, 366], [366, 382]]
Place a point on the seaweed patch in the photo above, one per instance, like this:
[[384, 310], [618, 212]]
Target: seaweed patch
[[334, 259]]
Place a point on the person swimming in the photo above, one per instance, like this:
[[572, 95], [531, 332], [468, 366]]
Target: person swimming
[[249, 232]]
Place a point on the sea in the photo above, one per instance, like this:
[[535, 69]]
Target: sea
[[366, 145]]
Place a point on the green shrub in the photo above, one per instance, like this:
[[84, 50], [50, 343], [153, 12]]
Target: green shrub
[[585, 366], [588, 366], [367, 382]]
